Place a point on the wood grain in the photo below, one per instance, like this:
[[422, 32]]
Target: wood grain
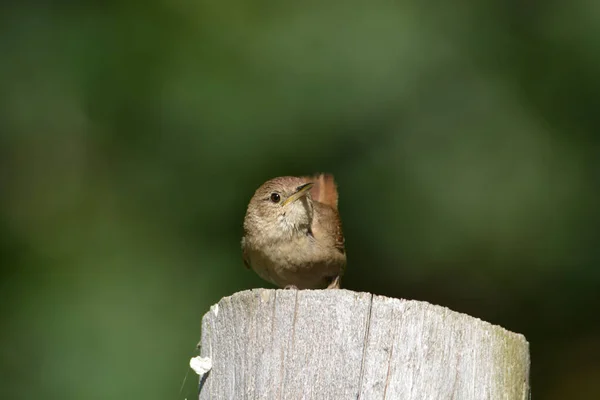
[[339, 344]]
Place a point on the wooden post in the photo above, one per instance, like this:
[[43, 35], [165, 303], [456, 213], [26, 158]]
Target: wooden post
[[339, 344]]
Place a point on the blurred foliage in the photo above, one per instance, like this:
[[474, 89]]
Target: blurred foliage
[[132, 134]]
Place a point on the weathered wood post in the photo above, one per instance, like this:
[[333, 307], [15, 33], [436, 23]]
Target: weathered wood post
[[339, 344]]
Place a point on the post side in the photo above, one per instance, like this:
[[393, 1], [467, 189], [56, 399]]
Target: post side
[[339, 344]]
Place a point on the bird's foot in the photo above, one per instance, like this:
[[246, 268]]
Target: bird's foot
[[336, 283], [290, 287]]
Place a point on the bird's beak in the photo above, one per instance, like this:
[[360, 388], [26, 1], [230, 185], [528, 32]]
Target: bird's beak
[[301, 191]]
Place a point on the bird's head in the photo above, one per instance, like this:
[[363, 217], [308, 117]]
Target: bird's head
[[280, 208]]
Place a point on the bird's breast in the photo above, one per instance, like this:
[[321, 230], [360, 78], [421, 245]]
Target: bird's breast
[[300, 261]]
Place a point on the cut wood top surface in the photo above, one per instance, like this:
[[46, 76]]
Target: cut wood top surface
[[339, 344]]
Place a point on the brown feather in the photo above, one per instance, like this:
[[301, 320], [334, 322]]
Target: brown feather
[[325, 190], [244, 253]]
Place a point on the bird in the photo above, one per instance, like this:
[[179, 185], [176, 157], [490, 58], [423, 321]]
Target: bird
[[293, 233]]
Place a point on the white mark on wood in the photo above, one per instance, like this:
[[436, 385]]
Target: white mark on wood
[[201, 365]]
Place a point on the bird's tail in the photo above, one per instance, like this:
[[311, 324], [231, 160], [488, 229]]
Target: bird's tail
[[325, 190]]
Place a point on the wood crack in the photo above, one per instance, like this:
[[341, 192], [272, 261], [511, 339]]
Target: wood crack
[[389, 363], [365, 345]]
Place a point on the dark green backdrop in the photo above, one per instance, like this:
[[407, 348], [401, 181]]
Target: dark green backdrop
[[463, 136]]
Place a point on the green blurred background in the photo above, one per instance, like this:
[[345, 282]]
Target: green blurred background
[[463, 136]]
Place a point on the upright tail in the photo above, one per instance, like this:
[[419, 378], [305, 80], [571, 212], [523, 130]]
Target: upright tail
[[325, 190]]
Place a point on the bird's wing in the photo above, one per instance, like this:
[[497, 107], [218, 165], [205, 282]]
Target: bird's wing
[[329, 226], [339, 236], [245, 254], [327, 230]]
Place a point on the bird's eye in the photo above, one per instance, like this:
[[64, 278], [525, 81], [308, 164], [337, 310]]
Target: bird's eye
[[275, 198]]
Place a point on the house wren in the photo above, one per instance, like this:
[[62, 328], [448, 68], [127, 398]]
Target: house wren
[[293, 234]]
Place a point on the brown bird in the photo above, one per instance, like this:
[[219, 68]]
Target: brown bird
[[293, 234]]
